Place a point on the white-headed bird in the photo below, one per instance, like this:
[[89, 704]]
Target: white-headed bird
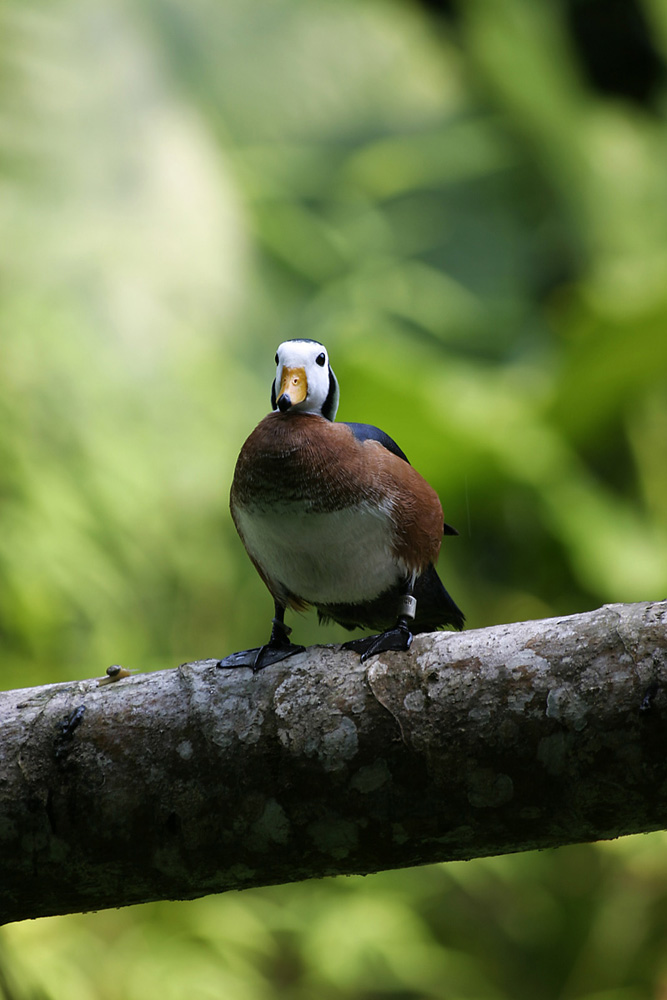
[[333, 515]]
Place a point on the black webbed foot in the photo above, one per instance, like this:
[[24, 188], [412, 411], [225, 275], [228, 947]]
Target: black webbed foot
[[276, 649], [398, 638], [261, 657]]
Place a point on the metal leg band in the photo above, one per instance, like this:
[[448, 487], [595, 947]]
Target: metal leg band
[[408, 606]]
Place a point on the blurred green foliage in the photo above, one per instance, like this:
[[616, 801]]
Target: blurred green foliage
[[480, 238]]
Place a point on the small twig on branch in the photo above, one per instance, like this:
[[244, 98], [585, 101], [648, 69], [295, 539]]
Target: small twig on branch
[[184, 782]]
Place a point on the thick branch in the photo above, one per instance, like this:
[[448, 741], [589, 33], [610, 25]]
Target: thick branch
[[195, 780]]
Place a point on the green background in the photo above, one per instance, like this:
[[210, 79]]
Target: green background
[[478, 232]]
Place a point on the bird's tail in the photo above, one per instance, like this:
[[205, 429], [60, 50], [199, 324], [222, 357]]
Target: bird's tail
[[435, 608]]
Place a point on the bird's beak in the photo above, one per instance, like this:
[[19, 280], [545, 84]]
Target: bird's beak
[[293, 388]]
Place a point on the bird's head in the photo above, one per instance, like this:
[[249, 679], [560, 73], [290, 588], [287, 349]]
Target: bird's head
[[304, 379]]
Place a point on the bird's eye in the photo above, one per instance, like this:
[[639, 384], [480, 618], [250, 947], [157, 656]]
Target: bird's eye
[[320, 359], [276, 359]]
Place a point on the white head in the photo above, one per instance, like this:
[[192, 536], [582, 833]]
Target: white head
[[304, 380]]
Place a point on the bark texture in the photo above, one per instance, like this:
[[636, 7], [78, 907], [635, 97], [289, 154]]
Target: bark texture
[[175, 784]]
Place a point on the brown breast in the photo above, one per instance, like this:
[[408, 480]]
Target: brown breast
[[304, 460]]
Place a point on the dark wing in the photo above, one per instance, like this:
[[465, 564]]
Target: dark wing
[[366, 432]]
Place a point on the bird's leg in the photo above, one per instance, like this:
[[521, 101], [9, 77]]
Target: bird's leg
[[279, 646], [276, 649], [397, 638]]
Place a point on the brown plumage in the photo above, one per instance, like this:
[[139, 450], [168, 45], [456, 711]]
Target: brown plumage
[[305, 459]]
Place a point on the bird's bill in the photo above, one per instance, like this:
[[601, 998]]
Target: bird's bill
[[293, 388]]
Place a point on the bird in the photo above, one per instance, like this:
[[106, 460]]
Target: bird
[[333, 516]]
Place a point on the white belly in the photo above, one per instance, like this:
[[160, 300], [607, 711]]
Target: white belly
[[340, 557]]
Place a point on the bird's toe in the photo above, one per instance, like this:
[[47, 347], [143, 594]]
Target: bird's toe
[[398, 638], [262, 656]]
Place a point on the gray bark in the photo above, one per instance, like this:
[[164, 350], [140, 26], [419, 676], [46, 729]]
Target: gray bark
[[183, 782]]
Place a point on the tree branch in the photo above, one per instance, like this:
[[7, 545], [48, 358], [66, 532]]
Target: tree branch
[[184, 782]]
